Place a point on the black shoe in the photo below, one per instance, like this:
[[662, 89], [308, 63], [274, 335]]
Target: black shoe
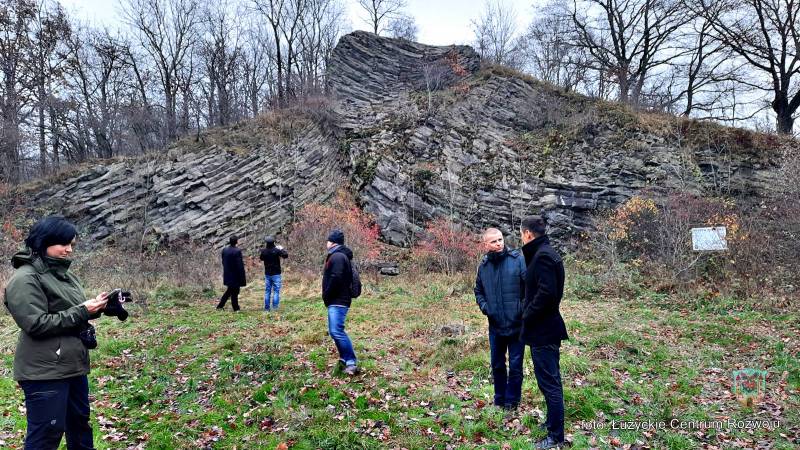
[[511, 407], [549, 442]]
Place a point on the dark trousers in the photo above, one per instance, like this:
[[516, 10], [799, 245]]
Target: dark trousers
[[233, 293], [548, 377], [507, 383], [56, 407]]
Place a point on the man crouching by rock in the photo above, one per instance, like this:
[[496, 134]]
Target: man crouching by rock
[[499, 289], [543, 327]]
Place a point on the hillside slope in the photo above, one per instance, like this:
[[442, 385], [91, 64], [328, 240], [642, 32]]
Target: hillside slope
[[416, 132]]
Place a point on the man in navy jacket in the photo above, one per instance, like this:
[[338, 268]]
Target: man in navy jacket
[[499, 288], [543, 328]]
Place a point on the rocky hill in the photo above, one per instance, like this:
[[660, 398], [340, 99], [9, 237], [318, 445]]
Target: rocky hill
[[417, 132]]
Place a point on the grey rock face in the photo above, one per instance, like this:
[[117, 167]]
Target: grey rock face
[[206, 195], [487, 148], [418, 132]]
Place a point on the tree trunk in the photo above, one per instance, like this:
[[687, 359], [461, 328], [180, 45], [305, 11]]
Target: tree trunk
[[783, 111], [56, 136], [9, 134], [785, 122], [41, 131], [172, 115]]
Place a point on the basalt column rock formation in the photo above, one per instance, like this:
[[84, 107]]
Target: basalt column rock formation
[[429, 133], [417, 132], [207, 192]]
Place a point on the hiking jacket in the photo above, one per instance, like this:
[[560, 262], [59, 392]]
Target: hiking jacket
[[542, 323], [337, 276], [45, 299], [499, 290]]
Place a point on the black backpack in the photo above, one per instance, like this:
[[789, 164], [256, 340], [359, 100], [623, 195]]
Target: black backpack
[[355, 281]]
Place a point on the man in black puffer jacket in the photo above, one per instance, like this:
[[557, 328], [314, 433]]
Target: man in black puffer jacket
[[499, 289], [336, 280], [543, 327], [271, 255]]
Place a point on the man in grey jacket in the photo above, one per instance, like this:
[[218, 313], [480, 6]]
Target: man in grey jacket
[[499, 290]]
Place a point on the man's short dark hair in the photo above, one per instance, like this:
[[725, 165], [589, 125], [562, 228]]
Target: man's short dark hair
[[233, 240], [534, 224]]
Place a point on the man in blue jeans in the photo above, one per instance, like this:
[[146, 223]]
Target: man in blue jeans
[[336, 280], [543, 327], [271, 255], [499, 289]]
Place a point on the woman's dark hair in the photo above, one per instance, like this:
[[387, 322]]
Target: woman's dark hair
[[52, 230], [233, 240]]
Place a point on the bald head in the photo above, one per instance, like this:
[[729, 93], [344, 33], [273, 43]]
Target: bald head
[[493, 240]]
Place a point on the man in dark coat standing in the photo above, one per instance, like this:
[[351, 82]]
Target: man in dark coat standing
[[233, 276], [499, 289], [271, 255], [543, 328], [336, 280]]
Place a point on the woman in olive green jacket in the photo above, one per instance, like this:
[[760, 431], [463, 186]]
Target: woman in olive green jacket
[[51, 362]]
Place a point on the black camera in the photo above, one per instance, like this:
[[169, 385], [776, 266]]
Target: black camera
[[88, 337], [114, 305]]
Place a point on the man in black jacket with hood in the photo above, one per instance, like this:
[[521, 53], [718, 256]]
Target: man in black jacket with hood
[[543, 328], [233, 275], [336, 280]]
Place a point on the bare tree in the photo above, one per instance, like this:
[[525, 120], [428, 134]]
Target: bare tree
[[258, 68], [50, 30], [700, 83], [379, 12], [764, 33], [495, 32], [16, 96], [547, 50], [403, 27], [167, 31], [629, 38], [97, 64], [434, 75], [292, 25], [221, 56], [80, 93], [274, 11], [321, 26]]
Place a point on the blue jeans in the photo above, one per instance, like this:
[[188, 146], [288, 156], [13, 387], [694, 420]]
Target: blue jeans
[[272, 283], [507, 384], [336, 318], [56, 407], [548, 377]]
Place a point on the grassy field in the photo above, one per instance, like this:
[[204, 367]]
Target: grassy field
[[183, 375]]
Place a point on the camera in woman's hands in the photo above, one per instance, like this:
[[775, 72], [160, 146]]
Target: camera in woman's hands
[[114, 305]]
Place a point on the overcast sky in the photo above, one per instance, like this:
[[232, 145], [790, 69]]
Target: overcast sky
[[440, 22]]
